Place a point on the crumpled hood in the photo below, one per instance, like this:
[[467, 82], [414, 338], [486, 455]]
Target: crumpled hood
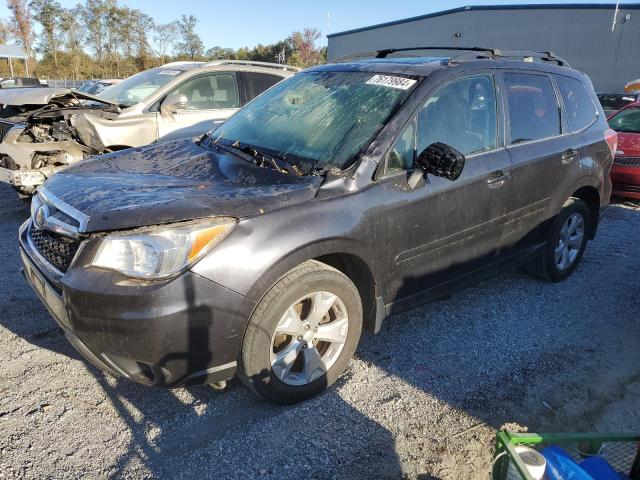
[[42, 96], [171, 182]]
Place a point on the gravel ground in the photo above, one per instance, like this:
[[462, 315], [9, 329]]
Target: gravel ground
[[560, 357]]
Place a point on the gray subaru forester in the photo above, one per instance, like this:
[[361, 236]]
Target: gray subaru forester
[[343, 194]]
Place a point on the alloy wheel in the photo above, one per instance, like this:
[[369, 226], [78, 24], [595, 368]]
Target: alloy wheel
[[309, 338], [570, 241]]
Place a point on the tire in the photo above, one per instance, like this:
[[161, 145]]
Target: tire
[[266, 362], [547, 266]]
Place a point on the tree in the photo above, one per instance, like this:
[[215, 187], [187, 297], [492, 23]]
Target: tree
[[191, 45], [72, 39], [92, 15], [49, 14], [164, 37], [5, 31], [305, 52], [22, 23]]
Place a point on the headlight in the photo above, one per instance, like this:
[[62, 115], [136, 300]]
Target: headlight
[[161, 251], [26, 178]]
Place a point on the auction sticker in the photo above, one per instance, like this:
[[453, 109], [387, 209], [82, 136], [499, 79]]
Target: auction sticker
[[393, 82]]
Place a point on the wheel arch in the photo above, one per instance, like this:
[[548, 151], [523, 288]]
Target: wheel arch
[[591, 197], [340, 254]]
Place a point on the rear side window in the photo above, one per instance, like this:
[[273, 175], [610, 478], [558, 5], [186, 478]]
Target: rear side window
[[578, 106], [534, 112], [256, 83]]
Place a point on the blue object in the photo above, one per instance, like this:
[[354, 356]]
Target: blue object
[[599, 469], [560, 466]]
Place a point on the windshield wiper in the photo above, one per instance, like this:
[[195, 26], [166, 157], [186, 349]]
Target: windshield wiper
[[261, 158], [268, 159]]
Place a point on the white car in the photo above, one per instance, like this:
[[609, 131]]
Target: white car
[[44, 130]]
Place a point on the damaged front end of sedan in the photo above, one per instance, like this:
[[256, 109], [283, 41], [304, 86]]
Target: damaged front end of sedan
[[43, 131]]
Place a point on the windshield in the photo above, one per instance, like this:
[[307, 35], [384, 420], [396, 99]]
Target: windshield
[[626, 121], [87, 86], [615, 102], [317, 120], [139, 86]]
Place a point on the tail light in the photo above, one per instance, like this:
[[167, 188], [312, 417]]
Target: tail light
[[611, 137]]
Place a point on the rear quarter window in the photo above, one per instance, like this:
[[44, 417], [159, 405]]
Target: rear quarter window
[[578, 104]]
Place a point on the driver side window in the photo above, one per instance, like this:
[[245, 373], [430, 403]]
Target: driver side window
[[211, 92], [461, 114]]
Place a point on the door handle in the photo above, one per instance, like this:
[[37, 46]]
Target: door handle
[[497, 179], [569, 155]]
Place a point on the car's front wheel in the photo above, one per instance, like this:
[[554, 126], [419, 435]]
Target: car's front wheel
[[302, 334]]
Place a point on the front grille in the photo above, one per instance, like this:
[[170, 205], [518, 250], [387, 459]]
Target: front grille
[[4, 129], [55, 248], [627, 161]]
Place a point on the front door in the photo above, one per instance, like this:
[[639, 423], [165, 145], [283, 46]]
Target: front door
[[211, 99], [445, 228]]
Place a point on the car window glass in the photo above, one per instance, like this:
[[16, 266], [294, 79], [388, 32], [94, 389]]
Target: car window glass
[[534, 112], [139, 86], [256, 83], [210, 92], [318, 120], [626, 121], [615, 101], [402, 153], [461, 114], [578, 106]]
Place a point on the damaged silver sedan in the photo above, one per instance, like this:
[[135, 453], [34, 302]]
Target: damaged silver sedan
[[44, 130]]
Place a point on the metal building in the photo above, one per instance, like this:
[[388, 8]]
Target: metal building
[[584, 34]]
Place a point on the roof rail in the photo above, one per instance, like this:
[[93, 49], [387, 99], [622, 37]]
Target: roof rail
[[253, 63], [387, 51], [183, 62], [474, 53]]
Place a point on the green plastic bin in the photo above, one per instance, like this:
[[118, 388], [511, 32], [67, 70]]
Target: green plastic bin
[[619, 449]]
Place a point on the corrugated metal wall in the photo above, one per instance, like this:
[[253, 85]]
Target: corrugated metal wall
[[582, 36]]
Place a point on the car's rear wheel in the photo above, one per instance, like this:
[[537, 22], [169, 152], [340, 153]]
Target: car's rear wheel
[[302, 334], [566, 243]]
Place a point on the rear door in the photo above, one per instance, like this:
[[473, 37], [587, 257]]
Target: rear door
[[544, 153], [211, 99]]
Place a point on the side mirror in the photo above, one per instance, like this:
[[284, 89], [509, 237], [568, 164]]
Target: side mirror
[[174, 102], [442, 160]]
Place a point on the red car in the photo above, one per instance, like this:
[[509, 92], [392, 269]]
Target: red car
[[625, 173]]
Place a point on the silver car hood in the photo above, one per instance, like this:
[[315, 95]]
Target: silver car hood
[[43, 96]]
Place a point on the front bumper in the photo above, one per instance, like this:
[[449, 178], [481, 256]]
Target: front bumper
[[183, 331], [626, 181]]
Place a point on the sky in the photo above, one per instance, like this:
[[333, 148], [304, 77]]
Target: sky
[[243, 23]]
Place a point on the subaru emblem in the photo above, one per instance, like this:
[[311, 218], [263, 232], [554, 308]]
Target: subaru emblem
[[40, 217]]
